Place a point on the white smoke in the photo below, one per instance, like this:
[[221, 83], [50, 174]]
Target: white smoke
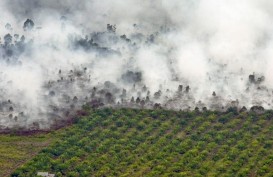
[[210, 45]]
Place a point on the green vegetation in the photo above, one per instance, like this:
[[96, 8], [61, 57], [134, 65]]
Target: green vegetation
[[129, 142]]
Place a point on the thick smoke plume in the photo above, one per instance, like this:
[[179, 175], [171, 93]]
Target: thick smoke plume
[[57, 55]]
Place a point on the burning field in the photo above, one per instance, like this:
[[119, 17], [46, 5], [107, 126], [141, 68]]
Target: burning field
[[136, 88]]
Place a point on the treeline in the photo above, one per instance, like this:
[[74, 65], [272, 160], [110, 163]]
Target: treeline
[[128, 142]]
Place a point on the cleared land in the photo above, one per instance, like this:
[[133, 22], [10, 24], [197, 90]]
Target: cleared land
[[16, 150]]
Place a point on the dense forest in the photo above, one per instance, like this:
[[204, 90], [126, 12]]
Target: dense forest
[[134, 142]]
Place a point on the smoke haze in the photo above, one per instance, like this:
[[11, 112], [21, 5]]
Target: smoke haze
[[104, 52]]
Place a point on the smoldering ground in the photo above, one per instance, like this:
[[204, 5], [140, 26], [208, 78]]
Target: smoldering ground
[[176, 54]]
